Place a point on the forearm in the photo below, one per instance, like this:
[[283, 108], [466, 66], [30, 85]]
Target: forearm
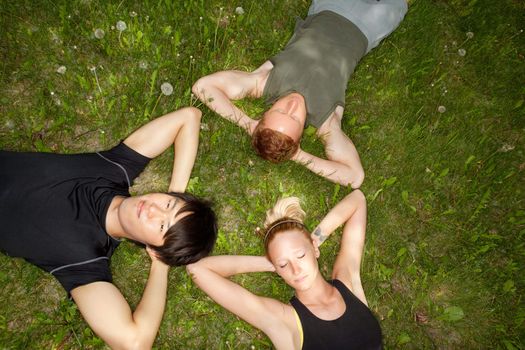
[[341, 214], [149, 312], [229, 265], [185, 145], [218, 102], [217, 92], [332, 170]]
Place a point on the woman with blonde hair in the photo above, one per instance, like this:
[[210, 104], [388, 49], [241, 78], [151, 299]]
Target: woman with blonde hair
[[322, 314]]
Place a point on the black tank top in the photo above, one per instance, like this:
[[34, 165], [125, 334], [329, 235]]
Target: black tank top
[[357, 328]]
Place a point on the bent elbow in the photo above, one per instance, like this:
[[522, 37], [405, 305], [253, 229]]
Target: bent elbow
[[191, 269], [199, 87], [359, 180], [359, 197], [134, 342]]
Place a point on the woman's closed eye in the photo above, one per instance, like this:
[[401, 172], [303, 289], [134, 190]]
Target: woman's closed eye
[[301, 256]]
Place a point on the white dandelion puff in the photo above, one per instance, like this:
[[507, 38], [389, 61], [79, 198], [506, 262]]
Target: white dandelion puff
[[10, 124], [133, 14], [121, 26], [61, 70], [442, 109], [462, 52], [470, 35], [99, 33], [166, 88], [143, 64], [239, 10], [507, 147]]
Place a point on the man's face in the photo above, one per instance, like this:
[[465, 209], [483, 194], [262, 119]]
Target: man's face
[[287, 115], [146, 218]]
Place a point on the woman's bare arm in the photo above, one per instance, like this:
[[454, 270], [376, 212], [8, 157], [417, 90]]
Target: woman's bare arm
[[211, 275], [351, 211]]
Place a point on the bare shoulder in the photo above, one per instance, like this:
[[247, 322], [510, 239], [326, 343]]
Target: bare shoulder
[[286, 335], [260, 76], [332, 123]]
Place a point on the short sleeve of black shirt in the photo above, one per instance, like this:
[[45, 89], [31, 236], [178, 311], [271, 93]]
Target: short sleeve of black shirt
[[54, 209]]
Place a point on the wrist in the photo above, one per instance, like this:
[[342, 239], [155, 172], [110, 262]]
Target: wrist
[[157, 265]]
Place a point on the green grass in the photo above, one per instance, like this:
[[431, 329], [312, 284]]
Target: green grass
[[444, 260]]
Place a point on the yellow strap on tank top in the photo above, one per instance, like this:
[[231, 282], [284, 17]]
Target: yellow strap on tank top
[[299, 325]]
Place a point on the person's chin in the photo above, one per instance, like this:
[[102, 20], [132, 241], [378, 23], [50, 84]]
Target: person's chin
[[303, 283]]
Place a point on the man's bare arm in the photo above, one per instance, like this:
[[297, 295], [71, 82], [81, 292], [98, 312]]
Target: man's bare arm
[[109, 315], [218, 90], [179, 129], [342, 165]]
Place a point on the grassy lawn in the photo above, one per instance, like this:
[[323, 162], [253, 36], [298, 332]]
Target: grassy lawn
[[437, 113]]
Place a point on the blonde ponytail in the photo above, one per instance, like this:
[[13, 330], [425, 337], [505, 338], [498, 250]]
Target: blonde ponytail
[[284, 208], [286, 215]]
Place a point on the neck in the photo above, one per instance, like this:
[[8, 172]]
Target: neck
[[113, 226], [317, 293]]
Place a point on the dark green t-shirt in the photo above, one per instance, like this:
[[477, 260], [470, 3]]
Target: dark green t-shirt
[[317, 63]]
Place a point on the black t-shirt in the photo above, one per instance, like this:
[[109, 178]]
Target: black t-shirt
[[53, 209]]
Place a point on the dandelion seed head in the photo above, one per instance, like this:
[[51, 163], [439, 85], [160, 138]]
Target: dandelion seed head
[[462, 52], [239, 10], [166, 88], [507, 147], [133, 14], [250, 162], [442, 109], [99, 33], [205, 127], [61, 70], [143, 64], [9, 124], [52, 93], [252, 347], [121, 26], [470, 35], [200, 18]]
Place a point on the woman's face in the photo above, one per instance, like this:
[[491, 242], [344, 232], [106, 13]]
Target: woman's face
[[295, 258]]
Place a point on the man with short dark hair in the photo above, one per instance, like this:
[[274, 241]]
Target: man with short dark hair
[[306, 83], [66, 213]]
